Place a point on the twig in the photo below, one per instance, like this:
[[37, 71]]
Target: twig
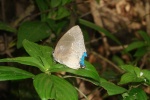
[[108, 61], [117, 48], [3, 10], [147, 10], [82, 93]]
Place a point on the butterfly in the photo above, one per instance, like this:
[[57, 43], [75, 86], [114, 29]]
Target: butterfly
[[70, 49]]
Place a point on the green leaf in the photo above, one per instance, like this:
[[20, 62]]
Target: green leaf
[[43, 6], [136, 94], [134, 74], [146, 74], [99, 29], [5, 27], [11, 73], [45, 64], [55, 3], [32, 31], [127, 78], [89, 71], [41, 56], [42, 53], [130, 77], [53, 87], [112, 89], [130, 68], [141, 52], [117, 60], [145, 36], [24, 60], [57, 26], [65, 1], [135, 45], [62, 13]]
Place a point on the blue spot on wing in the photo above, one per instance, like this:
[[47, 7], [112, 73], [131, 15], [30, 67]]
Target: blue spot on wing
[[82, 59]]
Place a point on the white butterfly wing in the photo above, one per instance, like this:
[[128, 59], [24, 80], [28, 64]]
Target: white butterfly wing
[[70, 48]]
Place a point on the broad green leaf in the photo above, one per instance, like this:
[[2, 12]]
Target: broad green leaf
[[134, 74], [145, 36], [141, 52], [12, 73], [45, 63], [136, 94], [55, 3], [32, 31], [127, 68], [53, 87], [130, 77], [130, 68], [43, 6], [99, 29], [39, 52], [135, 45], [127, 78], [25, 60], [112, 89], [5, 27], [89, 71]]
